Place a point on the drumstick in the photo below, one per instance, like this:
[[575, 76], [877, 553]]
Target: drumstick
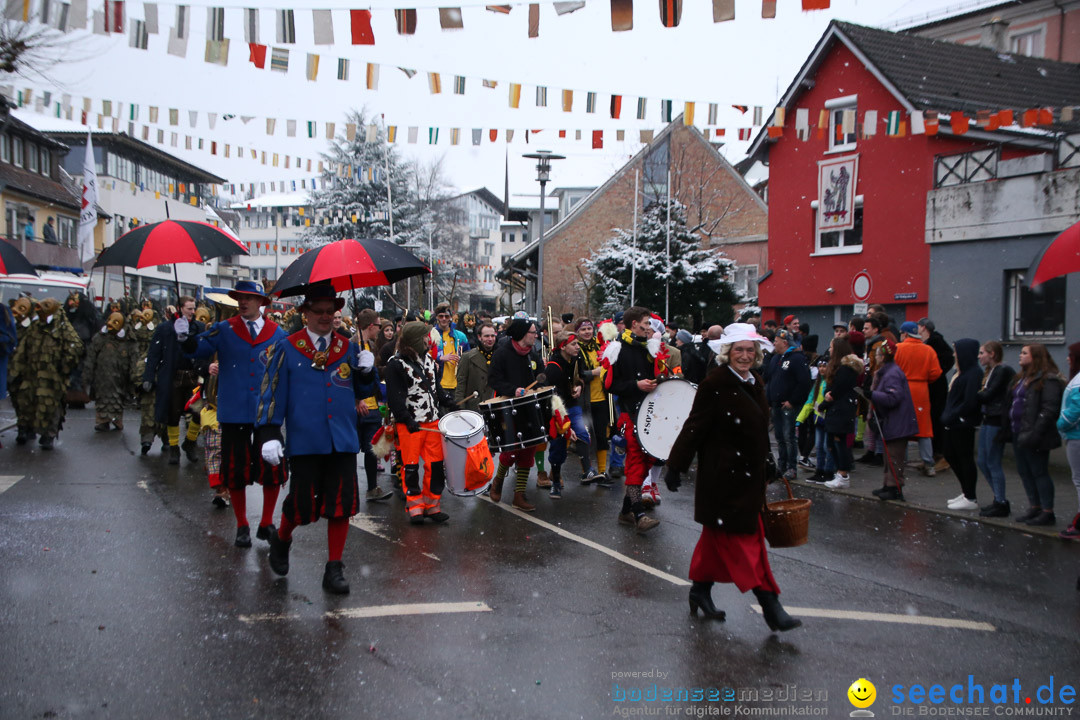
[[467, 399], [531, 385]]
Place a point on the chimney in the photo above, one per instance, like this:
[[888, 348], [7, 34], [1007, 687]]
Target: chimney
[[995, 35]]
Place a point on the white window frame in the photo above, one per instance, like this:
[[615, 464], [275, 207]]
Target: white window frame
[[842, 249], [835, 106], [1035, 38], [1015, 282]]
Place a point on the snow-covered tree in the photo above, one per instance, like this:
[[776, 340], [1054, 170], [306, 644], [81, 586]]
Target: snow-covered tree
[[699, 291], [354, 201]]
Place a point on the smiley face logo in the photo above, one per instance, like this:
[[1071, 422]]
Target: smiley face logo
[[862, 693]]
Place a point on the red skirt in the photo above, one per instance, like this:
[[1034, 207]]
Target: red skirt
[[740, 558]]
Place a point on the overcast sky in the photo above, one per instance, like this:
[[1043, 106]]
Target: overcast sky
[[748, 61]]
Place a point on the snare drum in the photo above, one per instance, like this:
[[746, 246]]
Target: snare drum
[[517, 423], [662, 415], [461, 430]]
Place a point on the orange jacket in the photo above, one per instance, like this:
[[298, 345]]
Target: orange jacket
[[920, 365]]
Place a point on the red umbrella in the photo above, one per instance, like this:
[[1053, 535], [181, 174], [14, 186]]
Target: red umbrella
[[169, 242], [13, 262], [1060, 257], [349, 264]]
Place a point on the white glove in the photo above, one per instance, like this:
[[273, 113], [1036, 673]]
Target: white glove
[[272, 452], [181, 326], [366, 360]]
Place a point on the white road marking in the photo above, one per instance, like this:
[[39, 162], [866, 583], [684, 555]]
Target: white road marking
[[889, 618], [6, 481], [594, 545], [369, 524], [373, 611]]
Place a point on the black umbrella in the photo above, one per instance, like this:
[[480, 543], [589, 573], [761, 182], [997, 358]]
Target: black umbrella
[[349, 264], [13, 262]]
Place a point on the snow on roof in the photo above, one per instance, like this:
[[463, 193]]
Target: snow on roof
[[290, 199], [48, 123]]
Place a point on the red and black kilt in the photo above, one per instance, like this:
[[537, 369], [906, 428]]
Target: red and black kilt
[[241, 460], [322, 486]]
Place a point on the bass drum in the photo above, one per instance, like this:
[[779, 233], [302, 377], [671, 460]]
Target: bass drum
[[662, 415], [517, 423]]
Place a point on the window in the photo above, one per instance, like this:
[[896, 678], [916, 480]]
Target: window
[[1027, 43], [5, 148], [66, 231], [745, 281], [17, 157], [838, 140], [1036, 315], [655, 174], [836, 242], [45, 161], [32, 156]]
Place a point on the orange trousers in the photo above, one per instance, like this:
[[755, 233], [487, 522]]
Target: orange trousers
[[421, 499]]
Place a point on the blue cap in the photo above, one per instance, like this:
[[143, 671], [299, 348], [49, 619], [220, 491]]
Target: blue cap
[[249, 287], [618, 317], [909, 328]]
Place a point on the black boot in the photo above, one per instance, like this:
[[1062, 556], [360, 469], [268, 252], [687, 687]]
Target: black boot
[[243, 537], [190, 450], [700, 599], [333, 580], [775, 615], [23, 437], [46, 442], [174, 455], [279, 554]]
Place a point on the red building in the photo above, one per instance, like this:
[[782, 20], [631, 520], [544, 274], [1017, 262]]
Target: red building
[[820, 275]]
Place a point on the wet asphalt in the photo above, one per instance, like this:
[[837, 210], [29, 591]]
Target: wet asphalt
[[122, 595]]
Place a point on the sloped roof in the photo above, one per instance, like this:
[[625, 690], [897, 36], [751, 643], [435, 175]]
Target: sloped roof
[[928, 74], [38, 186], [940, 75], [580, 208]]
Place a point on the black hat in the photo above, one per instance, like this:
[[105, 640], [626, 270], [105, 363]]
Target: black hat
[[567, 318], [323, 292], [518, 328]]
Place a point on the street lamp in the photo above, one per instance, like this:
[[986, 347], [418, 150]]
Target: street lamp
[[543, 160]]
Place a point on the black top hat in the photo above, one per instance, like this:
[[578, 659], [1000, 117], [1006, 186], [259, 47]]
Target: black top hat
[[323, 292]]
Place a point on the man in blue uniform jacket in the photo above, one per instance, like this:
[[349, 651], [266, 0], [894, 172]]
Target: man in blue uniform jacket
[[241, 344], [308, 388]]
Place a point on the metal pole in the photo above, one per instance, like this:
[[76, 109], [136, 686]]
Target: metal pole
[[633, 256], [667, 256], [277, 226], [431, 287], [389, 194], [540, 258]]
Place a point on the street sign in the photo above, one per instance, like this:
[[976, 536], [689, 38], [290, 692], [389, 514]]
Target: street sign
[[862, 308], [861, 285]]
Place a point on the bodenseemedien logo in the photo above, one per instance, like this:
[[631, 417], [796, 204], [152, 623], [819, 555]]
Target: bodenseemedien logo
[[862, 694]]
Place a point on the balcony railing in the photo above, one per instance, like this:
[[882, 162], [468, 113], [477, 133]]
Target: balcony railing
[[969, 167]]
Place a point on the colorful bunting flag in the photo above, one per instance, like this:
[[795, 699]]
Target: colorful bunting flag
[[286, 27], [343, 69], [688, 113], [312, 66], [434, 83], [372, 76], [323, 25], [251, 25], [597, 139], [768, 9], [959, 122], [641, 105], [433, 136], [713, 112], [405, 21], [723, 10], [665, 111], [360, 22], [534, 20], [257, 55], [541, 97], [567, 100], [515, 95], [279, 60], [450, 18], [670, 13], [616, 106], [590, 102], [870, 121], [622, 15], [892, 123]]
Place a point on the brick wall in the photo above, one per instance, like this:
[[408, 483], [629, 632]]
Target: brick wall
[[715, 196]]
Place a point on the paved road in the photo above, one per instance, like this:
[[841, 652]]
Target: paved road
[[122, 596]]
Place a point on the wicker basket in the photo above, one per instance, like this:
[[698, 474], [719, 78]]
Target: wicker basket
[[787, 522]]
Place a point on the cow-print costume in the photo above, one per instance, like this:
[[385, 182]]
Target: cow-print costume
[[411, 389]]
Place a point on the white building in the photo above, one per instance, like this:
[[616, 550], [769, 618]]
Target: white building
[[138, 183], [272, 228]]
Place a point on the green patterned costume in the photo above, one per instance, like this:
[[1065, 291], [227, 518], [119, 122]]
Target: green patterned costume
[[110, 366], [141, 330], [42, 367]]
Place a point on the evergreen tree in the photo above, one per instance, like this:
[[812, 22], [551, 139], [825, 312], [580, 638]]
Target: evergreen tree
[[354, 201], [696, 279]]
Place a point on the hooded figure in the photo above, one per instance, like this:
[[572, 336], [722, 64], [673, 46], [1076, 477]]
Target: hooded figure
[[40, 372], [960, 418], [109, 372], [86, 320], [140, 328]]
